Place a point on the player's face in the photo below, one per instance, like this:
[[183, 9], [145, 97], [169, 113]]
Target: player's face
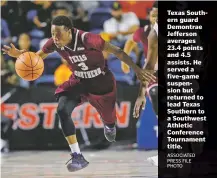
[[60, 35], [153, 16]]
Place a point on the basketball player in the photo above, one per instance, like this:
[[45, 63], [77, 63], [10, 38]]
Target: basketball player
[[149, 38], [141, 35], [91, 80]]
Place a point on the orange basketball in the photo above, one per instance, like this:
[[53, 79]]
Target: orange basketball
[[29, 66]]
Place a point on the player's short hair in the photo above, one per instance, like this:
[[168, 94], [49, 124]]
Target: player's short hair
[[155, 5], [62, 21]]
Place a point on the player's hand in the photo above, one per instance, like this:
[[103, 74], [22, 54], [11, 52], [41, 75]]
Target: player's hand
[[139, 105], [145, 76], [12, 51]]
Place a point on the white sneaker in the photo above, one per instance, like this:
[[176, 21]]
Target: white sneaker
[[153, 160]]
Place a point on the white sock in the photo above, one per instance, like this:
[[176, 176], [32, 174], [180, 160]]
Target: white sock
[[75, 148]]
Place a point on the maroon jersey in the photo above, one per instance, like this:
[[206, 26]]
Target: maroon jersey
[[85, 58], [141, 35]]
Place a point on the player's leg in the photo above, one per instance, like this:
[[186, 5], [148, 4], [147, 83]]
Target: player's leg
[[153, 95], [6, 129], [105, 105], [65, 107], [69, 96]]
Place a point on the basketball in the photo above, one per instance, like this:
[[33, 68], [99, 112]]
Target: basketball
[[29, 66]]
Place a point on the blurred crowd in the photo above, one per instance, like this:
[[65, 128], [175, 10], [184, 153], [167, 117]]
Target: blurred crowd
[[27, 25]]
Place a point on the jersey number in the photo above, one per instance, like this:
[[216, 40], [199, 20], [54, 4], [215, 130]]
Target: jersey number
[[83, 66]]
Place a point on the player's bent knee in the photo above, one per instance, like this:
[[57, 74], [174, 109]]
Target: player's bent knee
[[61, 110], [65, 107]]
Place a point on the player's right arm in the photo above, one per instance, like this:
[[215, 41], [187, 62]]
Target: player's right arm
[[43, 53]]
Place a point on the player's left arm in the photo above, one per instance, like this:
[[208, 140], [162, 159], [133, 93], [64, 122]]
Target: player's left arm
[[96, 42]]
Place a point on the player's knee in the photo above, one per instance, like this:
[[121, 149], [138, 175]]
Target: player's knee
[[65, 107], [61, 110]]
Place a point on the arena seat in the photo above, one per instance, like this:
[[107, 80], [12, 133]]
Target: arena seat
[[107, 4], [114, 65], [52, 61], [35, 33], [45, 79], [124, 78], [36, 37], [35, 43], [96, 31], [98, 16]]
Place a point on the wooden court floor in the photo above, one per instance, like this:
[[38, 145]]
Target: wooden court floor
[[103, 164]]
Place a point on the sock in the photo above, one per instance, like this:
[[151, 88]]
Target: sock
[[75, 148]]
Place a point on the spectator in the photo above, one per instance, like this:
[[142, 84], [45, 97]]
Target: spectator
[[12, 12], [81, 20], [5, 33], [61, 11], [121, 25], [88, 5], [24, 42], [131, 43], [8, 74], [8, 77], [140, 8], [62, 73], [41, 17]]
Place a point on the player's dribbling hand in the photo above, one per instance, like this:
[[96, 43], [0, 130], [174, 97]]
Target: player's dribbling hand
[[140, 104], [12, 51]]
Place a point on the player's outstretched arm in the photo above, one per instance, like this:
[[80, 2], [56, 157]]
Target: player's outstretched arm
[[14, 52], [149, 65], [142, 75]]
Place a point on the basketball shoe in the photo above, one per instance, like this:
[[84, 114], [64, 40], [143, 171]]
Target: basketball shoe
[[78, 162], [110, 133]]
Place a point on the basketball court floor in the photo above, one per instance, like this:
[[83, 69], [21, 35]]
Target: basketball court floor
[[103, 164]]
